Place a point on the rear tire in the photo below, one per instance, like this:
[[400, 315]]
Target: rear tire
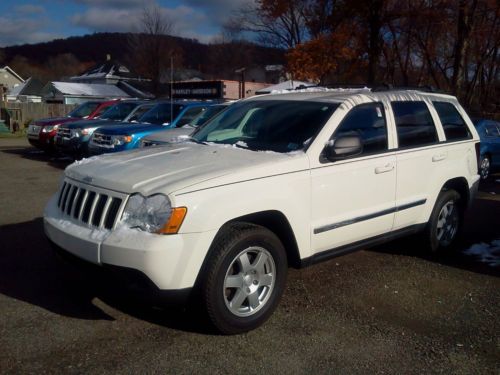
[[244, 278], [484, 167], [445, 222]]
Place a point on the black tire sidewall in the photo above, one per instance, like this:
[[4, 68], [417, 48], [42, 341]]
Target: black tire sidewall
[[224, 320]]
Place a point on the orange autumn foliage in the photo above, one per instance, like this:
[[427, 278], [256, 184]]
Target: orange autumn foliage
[[318, 58]]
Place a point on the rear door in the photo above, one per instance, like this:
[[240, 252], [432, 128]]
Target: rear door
[[419, 160]]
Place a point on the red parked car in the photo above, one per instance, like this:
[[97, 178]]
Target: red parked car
[[41, 132]]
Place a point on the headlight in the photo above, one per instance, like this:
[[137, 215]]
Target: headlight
[[153, 214], [118, 140], [82, 132], [49, 128]]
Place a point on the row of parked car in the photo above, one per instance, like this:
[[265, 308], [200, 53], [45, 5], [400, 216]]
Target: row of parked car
[[95, 128]]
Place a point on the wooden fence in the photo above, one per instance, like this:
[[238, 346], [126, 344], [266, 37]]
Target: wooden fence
[[24, 113]]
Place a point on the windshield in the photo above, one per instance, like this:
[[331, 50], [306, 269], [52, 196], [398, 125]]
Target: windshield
[[139, 112], [275, 125], [84, 110], [206, 115], [161, 114], [118, 112]]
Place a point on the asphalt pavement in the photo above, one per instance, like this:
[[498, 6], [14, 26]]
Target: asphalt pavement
[[387, 310]]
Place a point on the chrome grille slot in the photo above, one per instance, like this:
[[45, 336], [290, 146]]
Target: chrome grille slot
[[78, 205], [88, 207], [113, 209], [98, 210], [61, 195], [64, 132], [93, 206], [101, 139], [71, 198]]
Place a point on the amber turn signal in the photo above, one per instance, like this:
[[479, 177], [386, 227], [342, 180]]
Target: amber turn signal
[[174, 223]]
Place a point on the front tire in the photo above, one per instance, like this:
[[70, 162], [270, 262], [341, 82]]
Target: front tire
[[444, 225], [244, 278]]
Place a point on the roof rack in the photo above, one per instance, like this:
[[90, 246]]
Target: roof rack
[[389, 87]]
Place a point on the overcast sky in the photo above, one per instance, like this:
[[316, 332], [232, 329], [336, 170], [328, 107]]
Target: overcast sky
[[33, 21]]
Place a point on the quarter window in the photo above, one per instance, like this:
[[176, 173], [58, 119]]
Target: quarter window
[[454, 125], [414, 124], [368, 122]]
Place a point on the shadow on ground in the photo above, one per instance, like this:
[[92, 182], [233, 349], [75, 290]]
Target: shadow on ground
[[32, 272], [31, 153], [481, 226]]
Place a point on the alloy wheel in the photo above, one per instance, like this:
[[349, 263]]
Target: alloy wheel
[[249, 281]]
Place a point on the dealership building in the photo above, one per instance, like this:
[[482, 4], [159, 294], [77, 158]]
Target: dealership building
[[216, 89]]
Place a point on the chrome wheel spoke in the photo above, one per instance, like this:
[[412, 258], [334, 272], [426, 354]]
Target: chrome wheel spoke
[[253, 300], [244, 262], [266, 280], [260, 262], [238, 299], [234, 281]]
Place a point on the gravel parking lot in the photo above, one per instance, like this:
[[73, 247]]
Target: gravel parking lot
[[384, 310]]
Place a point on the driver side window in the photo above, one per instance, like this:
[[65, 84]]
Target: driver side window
[[368, 122]]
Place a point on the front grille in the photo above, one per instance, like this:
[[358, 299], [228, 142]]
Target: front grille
[[101, 139], [34, 129], [93, 207], [64, 132]]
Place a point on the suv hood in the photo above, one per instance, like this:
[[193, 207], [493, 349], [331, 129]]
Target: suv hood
[[170, 135], [128, 128], [171, 168], [55, 121], [84, 124]]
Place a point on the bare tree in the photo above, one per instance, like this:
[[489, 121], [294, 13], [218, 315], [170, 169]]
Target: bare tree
[[151, 47], [277, 23]]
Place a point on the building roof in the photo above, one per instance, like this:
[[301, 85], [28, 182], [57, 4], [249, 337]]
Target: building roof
[[30, 87], [88, 89], [11, 71], [107, 69]]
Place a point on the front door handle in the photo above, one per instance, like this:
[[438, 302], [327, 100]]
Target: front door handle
[[439, 157], [386, 168]]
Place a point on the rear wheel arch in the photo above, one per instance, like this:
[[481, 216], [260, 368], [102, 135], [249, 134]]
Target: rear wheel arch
[[461, 186]]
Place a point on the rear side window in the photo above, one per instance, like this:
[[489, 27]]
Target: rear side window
[[368, 122], [454, 125], [414, 124]]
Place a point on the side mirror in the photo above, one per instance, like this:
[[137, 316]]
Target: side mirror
[[343, 147]]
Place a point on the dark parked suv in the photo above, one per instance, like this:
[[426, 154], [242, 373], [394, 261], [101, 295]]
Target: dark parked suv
[[489, 133]]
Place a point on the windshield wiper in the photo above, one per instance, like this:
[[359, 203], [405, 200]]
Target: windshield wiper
[[194, 140]]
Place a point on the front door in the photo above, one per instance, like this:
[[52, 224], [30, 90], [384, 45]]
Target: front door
[[354, 198]]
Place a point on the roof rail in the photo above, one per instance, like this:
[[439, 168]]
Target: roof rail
[[389, 87]]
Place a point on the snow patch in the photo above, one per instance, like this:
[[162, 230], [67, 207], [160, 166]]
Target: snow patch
[[86, 160], [488, 253], [319, 89], [95, 234]]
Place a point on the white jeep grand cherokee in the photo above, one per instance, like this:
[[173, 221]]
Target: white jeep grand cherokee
[[271, 182]]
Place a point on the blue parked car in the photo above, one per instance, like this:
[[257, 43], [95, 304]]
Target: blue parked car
[[73, 138], [489, 133], [163, 116]]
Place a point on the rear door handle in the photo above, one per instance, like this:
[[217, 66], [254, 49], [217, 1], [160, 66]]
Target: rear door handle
[[439, 157], [386, 168]]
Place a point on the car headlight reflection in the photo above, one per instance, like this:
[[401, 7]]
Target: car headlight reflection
[[153, 214]]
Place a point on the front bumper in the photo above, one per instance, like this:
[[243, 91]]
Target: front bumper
[[72, 146], [170, 262]]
